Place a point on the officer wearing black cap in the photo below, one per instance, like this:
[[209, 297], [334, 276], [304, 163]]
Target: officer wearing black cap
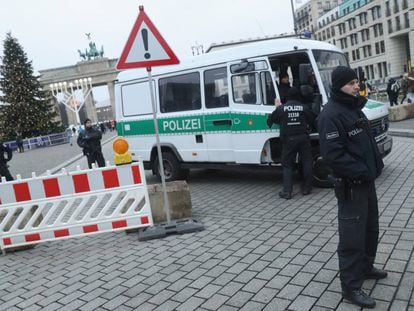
[[294, 119], [90, 140], [349, 149]]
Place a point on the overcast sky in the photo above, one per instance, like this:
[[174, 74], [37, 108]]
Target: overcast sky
[[51, 31]]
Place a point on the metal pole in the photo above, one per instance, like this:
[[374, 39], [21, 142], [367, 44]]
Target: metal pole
[[294, 17], [157, 137]]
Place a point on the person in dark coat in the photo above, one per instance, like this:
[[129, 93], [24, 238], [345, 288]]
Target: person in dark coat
[[393, 89], [90, 140], [295, 119], [19, 142], [349, 149], [283, 87], [6, 155]]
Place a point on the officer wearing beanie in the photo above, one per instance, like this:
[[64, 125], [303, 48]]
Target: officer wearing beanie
[[90, 141], [349, 149], [295, 120]]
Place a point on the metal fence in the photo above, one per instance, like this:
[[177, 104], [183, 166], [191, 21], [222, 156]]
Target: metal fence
[[41, 141]]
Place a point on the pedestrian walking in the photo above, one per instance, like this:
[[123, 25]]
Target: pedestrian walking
[[295, 119], [6, 155], [349, 149], [19, 143], [69, 136], [363, 88], [393, 88], [90, 140]]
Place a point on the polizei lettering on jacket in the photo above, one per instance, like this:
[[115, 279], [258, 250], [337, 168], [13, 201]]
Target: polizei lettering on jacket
[[354, 132], [181, 125], [292, 108]]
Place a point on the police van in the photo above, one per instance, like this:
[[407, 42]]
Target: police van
[[212, 109]]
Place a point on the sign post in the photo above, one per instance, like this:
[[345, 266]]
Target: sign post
[[157, 138], [146, 48]]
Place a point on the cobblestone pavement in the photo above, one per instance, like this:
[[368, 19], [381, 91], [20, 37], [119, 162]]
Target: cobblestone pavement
[[258, 252]]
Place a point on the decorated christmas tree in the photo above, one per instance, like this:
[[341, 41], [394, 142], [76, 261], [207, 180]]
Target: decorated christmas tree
[[26, 109]]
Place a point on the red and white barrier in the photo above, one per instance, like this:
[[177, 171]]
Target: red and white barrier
[[73, 204]]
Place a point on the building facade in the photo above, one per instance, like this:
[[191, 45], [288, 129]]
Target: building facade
[[307, 14], [376, 35]]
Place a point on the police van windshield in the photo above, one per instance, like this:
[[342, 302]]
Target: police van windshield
[[327, 61]]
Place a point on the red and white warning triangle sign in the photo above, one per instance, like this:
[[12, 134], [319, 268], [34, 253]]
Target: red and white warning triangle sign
[[145, 46]]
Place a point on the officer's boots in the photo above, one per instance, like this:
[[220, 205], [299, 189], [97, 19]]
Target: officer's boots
[[285, 195], [358, 297]]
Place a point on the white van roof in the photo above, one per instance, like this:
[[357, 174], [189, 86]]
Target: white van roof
[[248, 50]]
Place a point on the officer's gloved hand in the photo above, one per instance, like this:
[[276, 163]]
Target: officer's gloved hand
[[269, 120], [362, 123]]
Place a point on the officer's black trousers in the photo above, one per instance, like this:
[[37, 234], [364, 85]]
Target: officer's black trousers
[[291, 147], [4, 171], [96, 156], [358, 231]]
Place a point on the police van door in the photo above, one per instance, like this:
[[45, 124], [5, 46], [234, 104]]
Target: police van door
[[181, 117], [218, 122], [253, 93]]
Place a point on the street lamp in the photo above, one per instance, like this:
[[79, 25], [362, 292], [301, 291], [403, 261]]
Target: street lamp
[[294, 18], [68, 96]]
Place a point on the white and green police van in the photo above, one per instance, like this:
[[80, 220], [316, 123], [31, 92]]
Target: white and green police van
[[212, 109]]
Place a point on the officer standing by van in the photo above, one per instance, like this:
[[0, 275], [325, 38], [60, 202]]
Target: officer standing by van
[[295, 120], [349, 149]]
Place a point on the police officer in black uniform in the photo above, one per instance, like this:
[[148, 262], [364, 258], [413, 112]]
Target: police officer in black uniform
[[90, 140], [5, 156], [349, 149], [294, 119]]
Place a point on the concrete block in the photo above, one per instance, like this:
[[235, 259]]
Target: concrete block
[[179, 198], [401, 112]]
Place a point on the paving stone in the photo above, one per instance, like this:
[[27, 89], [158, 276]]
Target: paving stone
[[302, 303], [265, 295], [383, 292], [253, 306], [278, 304], [315, 289], [215, 302], [239, 299], [190, 304], [329, 300], [169, 305], [93, 304], [231, 288], [184, 294], [290, 292]]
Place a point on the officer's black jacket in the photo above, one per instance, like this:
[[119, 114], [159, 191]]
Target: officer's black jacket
[[293, 117], [4, 149], [90, 140], [349, 150]]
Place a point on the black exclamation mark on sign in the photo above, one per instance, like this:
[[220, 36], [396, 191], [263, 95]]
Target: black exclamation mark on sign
[[145, 38]]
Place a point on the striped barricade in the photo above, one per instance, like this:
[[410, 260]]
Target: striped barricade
[[73, 204]]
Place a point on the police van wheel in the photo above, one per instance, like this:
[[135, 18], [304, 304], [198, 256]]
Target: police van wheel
[[321, 174], [172, 170]]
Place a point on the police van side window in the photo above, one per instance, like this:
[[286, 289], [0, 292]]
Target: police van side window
[[244, 88], [268, 90], [216, 88], [180, 93]]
